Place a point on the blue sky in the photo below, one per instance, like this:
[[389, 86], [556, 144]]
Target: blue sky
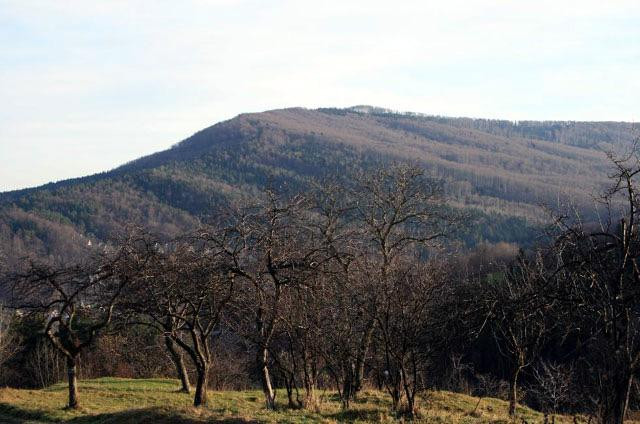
[[88, 85]]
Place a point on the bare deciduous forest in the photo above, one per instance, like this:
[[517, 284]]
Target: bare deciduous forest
[[501, 171], [321, 212], [353, 285]]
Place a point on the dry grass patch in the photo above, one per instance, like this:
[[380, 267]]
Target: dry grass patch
[[156, 401]]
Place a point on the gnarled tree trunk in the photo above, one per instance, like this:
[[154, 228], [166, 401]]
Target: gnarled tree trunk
[[513, 392], [347, 383], [309, 382], [178, 361], [265, 377], [200, 398], [358, 376], [73, 382]]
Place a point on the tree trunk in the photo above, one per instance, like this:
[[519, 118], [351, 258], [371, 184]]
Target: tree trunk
[[395, 399], [181, 369], [267, 389], [346, 392], [289, 379], [361, 359], [309, 382], [411, 405], [626, 399], [73, 383], [395, 390], [291, 401], [347, 383], [513, 392], [310, 401], [615, 411], [202, 382], [379, 381], [410, 393]]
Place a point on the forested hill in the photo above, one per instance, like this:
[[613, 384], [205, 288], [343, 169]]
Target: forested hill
[[499, 169]]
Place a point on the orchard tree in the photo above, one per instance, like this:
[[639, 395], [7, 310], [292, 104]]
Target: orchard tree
[[407, 328], [599, 282], [76, 302], [397, 210], [185, 293], [518, 320], [271, 252]]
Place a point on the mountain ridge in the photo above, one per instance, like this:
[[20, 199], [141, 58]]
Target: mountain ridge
[[360, 109], [501, 169]]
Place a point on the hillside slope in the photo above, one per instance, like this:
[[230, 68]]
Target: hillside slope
[[501, 170], [114, 400]]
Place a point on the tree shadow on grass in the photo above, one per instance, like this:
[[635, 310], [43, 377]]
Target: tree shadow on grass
[[11, 414], [153, 416], [352, 415]]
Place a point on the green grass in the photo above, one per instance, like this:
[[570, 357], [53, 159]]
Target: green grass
[[127, 401]]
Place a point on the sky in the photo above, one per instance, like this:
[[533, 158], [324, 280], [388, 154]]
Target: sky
[[86, 85]]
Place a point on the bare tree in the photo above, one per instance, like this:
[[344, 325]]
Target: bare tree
[[298, 350], [204, 287], [519, 321], [45, 364], [184, 292], [396, 210], [268, 247], [148, 302], [76, 302], [599, 278], [339, 290], [486, 385], [405, 323], [553, 387]]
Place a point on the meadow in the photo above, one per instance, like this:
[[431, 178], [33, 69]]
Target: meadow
[[129, 401]]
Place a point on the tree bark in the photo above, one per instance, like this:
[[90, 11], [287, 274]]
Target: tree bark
[[309, 381], [310, 400], [513, 392], [361, 358], [396, 390], [200, 398], [347, 383], [291, 402], [73, 383], [626, 398], [178, 361], [309, 389], [395, 399], [410, 394], [267, 389]]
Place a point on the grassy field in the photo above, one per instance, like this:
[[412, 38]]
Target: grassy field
[[113, 400]]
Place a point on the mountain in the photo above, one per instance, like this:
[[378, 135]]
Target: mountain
[[500, 170]]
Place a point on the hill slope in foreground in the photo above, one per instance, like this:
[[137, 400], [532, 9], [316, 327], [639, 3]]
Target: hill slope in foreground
[[500, 169], [122, 401]]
